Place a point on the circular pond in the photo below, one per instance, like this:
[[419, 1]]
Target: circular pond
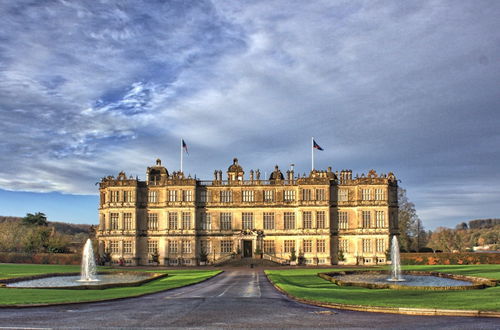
[[412, 280], [409, 280], [73, 281]]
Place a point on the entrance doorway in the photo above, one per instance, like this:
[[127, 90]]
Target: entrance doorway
[[247, 249]]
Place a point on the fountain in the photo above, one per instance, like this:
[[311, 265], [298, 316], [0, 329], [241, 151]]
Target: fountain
[[88, 273], [87, 279], [421, 280], [395, 262]]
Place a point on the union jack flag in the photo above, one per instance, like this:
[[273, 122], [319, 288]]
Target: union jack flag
[[184, 146], [316, 146]]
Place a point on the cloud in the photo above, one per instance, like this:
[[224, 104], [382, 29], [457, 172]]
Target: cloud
[[88, 89]]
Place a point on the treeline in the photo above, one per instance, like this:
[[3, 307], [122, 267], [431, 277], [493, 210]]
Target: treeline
[[483, 223], [414, 238], [463, 238], [34, 234]]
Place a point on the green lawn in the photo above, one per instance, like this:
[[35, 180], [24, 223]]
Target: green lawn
[[305, 284], [11, 296]]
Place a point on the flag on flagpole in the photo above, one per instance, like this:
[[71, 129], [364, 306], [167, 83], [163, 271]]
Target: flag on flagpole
[[316, 146], [184, 146]]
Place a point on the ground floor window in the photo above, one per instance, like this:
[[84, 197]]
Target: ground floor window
[[269, 247], [381, 245], [307, 246], [226, 246], [152, 247], [186, 247], [127, 247], [114, 247], [320, 246], [206, 246], [289, 246], [172, 246], [367, 245], [344, 245]]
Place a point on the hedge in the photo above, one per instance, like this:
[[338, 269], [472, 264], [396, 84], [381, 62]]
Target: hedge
[[41, 258], [464, 258]]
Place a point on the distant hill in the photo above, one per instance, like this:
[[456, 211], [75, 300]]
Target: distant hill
[[483, 223], [61, 227]]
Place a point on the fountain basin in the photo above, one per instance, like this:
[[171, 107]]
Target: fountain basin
[[414, 280], [105, 280]]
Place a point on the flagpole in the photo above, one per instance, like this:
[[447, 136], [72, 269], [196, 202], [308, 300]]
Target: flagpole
[[181, 155], [312, 153]]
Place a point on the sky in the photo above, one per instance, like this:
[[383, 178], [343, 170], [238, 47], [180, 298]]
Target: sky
[[91, 88]]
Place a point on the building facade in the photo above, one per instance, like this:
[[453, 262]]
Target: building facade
[[323, 218]]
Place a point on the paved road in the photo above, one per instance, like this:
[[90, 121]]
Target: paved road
[[236, 298]]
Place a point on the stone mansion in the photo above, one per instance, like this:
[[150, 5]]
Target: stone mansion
[[324, 218]]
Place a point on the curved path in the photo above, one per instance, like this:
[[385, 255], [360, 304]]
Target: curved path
[[236, 298]]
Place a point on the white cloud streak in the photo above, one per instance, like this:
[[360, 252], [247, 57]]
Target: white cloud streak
[[89, 88]]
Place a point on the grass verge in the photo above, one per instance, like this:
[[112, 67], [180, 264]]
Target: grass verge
[[305, 284], [14, 296]]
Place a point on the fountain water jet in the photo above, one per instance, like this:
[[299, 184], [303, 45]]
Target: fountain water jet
[[395, 262], [88, 273]]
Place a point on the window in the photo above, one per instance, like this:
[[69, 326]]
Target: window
[[380, 219], [320, 246], [114, 221], [307, 246], [381, 245], [115, 195], [306, 194], [206, 246], [152, 247], [127, 196], [344, 245], [186, 220], [307, 220], [153, 221], [172, 220], [114, 248], [289, 195], [379, 194], [152, 196], [102, 221], [320, 194], [365, 194], [269, 247], [225, 221], [203, 196], [206, 221], [127, 247], [268, 195], [187, 195], [248, 196], [289, 220], [186, 246], [367, 245], [343, 195], [289, 246], [226, 246], [320, 220], [366, 219], [268, 220], [127, 221], [172, 195], [172, 247], [247, 220], [226, 196], [343, 220]]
